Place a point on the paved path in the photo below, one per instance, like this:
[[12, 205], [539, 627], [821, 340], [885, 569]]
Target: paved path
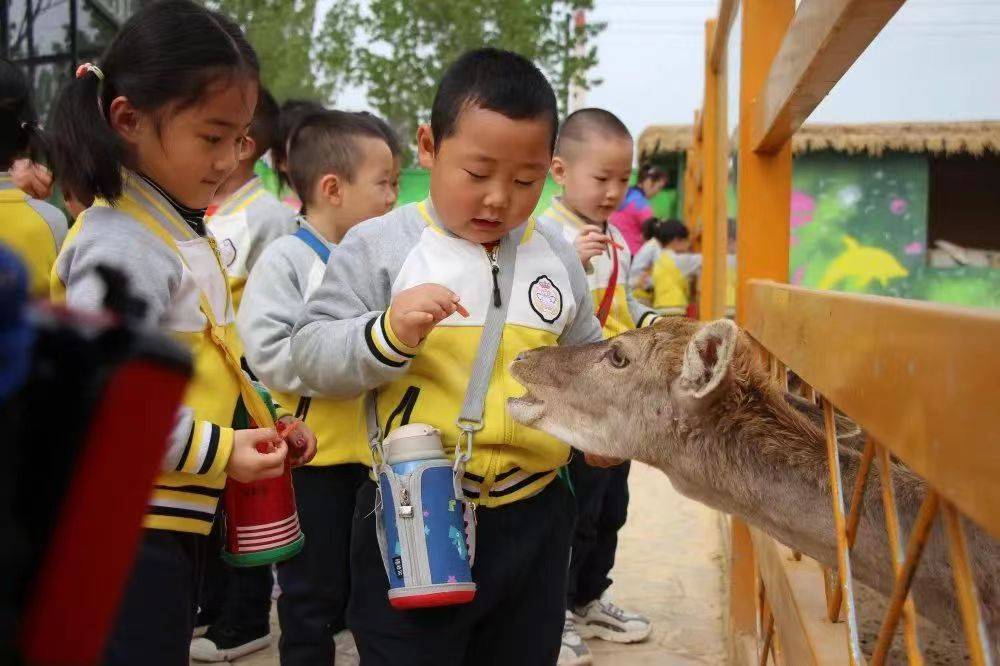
[[668, 568]]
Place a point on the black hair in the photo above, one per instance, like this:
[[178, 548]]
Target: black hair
[[168, 53], [325, 143], [20, 135], [389, 134], [648, 228], [580, 124], [495, 80], [293, 111], [651, 172], [668, 231], [264, 126]]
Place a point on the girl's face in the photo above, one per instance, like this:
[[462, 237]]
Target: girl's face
[[189, 152], [651, 187]]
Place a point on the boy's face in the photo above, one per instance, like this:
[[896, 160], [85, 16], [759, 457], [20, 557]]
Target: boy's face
[[595, 176], [371, 192], [487, 177]]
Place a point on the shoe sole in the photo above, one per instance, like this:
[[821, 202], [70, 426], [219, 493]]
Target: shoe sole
[[612, 635], [211, 654], [578, 661], [200, 631]]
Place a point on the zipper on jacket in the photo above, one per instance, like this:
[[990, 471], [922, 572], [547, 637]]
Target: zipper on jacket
[[495, 269]]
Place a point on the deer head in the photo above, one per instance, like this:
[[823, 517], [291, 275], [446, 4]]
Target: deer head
[[677, 374]]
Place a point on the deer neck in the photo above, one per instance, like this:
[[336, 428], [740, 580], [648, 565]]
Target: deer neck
[[753, 456]]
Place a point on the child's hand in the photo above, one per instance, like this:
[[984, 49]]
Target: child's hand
[[258, 453], [595, 460], [591, 242], [300, 439], [415, 311], [35, 180]]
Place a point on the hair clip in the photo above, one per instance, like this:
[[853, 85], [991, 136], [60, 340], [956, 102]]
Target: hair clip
[[82, 70]]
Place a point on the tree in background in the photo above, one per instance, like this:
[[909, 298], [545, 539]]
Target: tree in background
[[300, 57], [408, 44], [398, 49]]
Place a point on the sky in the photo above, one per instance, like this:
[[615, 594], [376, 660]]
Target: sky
[[936, 60]]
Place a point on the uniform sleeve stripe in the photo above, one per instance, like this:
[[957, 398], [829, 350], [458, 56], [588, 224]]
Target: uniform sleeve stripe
[[374, 349], [203, 435], [394, 343], [213, 447], [647, 319], [186, 451]]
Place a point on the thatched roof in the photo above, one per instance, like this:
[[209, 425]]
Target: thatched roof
[[956, 138], [664, 139]]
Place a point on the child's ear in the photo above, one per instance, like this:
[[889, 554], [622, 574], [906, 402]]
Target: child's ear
[[125, 119], [248, 149], [425, 146], [330, 189], [558, 170]]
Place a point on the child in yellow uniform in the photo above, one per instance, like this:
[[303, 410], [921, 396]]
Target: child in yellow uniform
[[248, 217], [150, 134], [593, 163], [33, 229], [673, 269], [402, 306], [342, 169]]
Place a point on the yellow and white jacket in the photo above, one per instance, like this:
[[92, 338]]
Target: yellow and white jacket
[[343, 344], [246, 222], [626, 313], [284, 277], [179, 276], [34, 230]]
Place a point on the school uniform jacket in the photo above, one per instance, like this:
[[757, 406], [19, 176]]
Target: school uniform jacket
[[246, 222], [34, 230], [179, 276], [282, 280], [626, 313], [344, 345]]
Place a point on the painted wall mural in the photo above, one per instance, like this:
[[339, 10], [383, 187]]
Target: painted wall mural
[[859, 224]]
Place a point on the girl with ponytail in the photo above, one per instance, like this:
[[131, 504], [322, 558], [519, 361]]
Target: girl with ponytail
[[636, 207], [149, 132], [33, 229]]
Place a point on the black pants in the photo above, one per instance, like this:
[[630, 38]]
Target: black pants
[[602, 506], [234, 597], [517, 616], [315, 584], [156, 616]]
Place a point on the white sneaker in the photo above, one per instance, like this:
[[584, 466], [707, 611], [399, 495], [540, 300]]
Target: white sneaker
[[602, 619], [346, 650], [220, 644], [573, 651]]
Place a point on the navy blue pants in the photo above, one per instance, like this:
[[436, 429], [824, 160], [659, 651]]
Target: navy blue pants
[[315, 584], [234, 597], [517, 616], [156, 616], [602, 507]]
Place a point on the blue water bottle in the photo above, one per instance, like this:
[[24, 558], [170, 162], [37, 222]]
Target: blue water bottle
[[422, 526]]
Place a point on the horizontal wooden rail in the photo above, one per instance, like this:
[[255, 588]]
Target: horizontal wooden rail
[[823, 41], [923, 379], [724, 24]]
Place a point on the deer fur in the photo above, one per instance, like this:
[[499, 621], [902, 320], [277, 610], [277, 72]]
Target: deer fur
[[693, 401]]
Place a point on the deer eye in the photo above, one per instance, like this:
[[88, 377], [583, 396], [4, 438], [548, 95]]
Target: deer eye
[[616, 358]]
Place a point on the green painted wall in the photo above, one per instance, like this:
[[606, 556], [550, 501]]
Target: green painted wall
[[859, 224]]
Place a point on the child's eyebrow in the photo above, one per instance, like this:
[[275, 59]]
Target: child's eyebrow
[[225, 123]]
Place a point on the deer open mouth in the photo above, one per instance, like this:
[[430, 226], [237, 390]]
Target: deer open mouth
[[526, 409]]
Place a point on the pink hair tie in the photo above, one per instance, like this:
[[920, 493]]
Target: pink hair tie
[[82, 70]]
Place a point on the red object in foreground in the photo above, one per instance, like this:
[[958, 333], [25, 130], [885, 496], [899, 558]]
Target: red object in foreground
[[82, 579], [432, 600]]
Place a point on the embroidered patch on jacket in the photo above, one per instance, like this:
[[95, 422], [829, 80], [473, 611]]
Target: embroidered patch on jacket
[[227, 252], [545, 299]]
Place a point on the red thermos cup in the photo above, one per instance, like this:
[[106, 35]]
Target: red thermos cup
[[262, 523]]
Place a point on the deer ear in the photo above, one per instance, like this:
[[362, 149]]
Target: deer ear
[[707, 357]]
